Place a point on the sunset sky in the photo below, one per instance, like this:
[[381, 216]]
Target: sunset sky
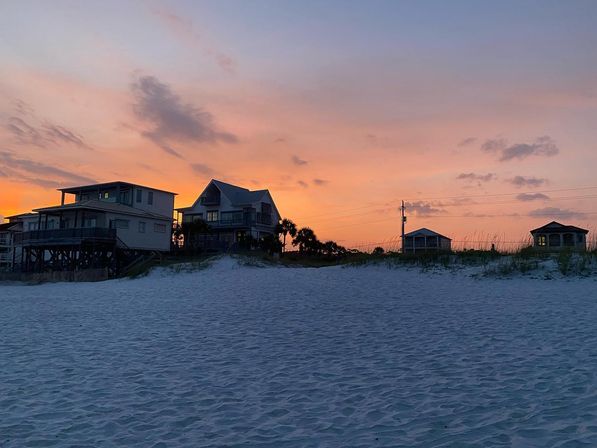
[[481, 115]]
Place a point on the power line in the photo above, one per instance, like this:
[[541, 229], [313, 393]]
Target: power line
[[372, 205]]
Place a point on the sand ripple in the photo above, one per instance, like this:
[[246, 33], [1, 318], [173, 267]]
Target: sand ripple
[[299, 357]]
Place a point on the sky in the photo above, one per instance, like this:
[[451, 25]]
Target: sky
[[480, 115]]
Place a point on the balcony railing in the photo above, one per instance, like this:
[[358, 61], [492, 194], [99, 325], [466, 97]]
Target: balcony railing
[[246, 221], [66, 236]]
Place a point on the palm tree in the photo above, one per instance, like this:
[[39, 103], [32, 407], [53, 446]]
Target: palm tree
[[306, 241], [286, 227]]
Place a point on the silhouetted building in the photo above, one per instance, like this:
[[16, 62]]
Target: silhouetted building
[[556, 236], [425, 240], [233, 213]]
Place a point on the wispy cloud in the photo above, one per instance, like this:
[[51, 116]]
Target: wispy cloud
[[298, 161], [203, 169], [173, 120], [555, 212], [64, 135], [542, 146], [533, 182], [528, 197], [184, 30], [302, 183], [467, 141], [421, 208], [24, 170], [320, 182], [477, 177], [45, 135], [26, 134]]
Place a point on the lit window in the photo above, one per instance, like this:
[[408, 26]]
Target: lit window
[[542, 240], [212, 216]]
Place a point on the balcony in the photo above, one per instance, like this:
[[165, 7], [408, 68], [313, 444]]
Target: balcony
[[91, 235], [247, 220]]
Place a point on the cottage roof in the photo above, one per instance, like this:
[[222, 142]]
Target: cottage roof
[[93, 204], [74, 190], [556, 227], [426, 232]]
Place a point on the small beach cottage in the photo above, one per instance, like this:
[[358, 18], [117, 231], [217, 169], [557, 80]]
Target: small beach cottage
[[425, 240], [555, 236], [233, 213]]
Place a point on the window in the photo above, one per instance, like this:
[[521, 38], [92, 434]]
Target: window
[[90, 222], [159, 228], [554, 240], [141, 227], [232, 217], [150, 198], [212, 216], [541, 240], [124, 197], [120, 223], [580, 238], [139, 195], [32, 226], [568, 239]]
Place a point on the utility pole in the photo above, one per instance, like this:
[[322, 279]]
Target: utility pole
[[403, 219]]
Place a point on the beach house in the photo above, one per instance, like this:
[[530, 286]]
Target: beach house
[[233, 213], [555, 236], [93, 222], [425, 240]]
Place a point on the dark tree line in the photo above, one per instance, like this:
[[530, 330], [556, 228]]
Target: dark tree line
[[304, 239]]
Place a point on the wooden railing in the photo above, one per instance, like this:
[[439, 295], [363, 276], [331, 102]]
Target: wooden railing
[[91, 233]]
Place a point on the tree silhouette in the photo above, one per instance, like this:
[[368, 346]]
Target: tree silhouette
[[378, 251], [286, 227], [307, 241]]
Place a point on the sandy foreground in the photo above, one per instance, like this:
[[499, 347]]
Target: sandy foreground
[[268, 356]]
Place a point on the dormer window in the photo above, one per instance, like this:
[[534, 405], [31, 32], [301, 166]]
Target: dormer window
[[139, 195], [542, 240], [150, 198]]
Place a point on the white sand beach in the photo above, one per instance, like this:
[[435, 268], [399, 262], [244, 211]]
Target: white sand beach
[[237, 355]]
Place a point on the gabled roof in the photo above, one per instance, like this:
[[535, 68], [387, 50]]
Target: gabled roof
[[238, 195], [555, 226], [103, 206], [425, 232], [74, 190]]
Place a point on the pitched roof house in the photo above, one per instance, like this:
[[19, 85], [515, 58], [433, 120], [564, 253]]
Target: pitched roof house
[[556, 236], [233, 212], [425, 240]]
